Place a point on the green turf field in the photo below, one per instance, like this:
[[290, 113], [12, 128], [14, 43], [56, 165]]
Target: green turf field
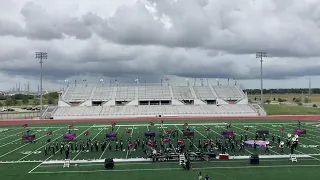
[[25, 160]]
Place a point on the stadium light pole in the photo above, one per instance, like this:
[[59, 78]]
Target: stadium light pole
[[41, 56], [261, 55]]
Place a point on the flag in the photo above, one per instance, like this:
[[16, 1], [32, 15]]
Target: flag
[[50, 133], [180, 142], [167, 79], [166, 140], [151, 123], [113, 124], [25, 125], [168, 131], [207, 129], [86, 133], [282, 129], [70, 125], [185, 124]]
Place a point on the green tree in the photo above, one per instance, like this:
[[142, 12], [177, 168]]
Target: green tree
[[25, 101], [36, 102], [9, 102], [1, 104], [50, 100]]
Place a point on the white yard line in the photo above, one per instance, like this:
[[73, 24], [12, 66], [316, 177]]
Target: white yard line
[[253, 134], [128, 148], [187, 138], [178, 169], [41, 147], [240, 142], [11, 135], [24, 145], [39, 165], [299, 143], [108, 144], [92, 139], [11, 142]]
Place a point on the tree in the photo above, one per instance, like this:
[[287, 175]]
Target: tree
[[1, 104], [50, 100], [9, 102], [36, 102], [314, 105], [268, 101], [25, 101]]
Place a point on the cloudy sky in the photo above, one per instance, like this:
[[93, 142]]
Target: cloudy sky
[[154, 39]]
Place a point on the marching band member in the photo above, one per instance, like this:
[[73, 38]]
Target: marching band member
[[281, 146], [267, 147]]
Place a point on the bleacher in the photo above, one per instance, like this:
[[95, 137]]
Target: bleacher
[[182, 92], [146, 100], [102, 93], [204, 92], [228, 92], [77, 94], [125, 93], [154, 92], [192, 110]]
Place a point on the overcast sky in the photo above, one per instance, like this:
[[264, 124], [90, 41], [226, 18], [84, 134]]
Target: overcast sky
[[154, 39]]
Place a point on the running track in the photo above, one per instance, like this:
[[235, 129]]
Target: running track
[[286, 117]]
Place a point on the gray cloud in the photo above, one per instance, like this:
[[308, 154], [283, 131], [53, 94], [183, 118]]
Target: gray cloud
[[154, 38]]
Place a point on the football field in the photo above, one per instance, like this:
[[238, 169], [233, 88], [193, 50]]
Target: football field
[[20, 160]]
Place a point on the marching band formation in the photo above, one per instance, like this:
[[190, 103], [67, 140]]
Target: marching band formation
[[171, 141]]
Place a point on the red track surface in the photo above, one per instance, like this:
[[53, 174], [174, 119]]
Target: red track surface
[[24, 121]]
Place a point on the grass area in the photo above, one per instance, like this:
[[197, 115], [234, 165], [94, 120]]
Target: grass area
[[287, 97], [12, 149], [278, 109]]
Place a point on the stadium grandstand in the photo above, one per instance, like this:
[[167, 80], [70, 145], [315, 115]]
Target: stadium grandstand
[[153, 100]]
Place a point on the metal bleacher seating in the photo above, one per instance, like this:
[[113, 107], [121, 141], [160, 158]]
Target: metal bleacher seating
[[227, 92], [154, 92], [182, 92], [204, 92], [125, 92], [78, 93], [222, 110], [149, 92], [103, 93]]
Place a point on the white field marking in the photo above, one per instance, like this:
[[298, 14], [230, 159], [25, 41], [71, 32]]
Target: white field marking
[[253, 133], [24, 145], [187, 138], [9, 131], [128, 144], [39, 165], [309, 138], [221, 135], [172, 162], [92, 139], [10, 142], [11, 135], [41, 146], [179, 169], [310, 156], [301, 143], [108, 144], [138, 125]]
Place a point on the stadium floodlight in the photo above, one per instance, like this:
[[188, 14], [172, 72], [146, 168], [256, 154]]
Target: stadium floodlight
[[261, 55], [67, 82], [41, 56], [101, 80]]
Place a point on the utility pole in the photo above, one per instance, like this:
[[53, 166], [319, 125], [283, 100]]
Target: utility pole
[[41, 56], [261, 55]]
